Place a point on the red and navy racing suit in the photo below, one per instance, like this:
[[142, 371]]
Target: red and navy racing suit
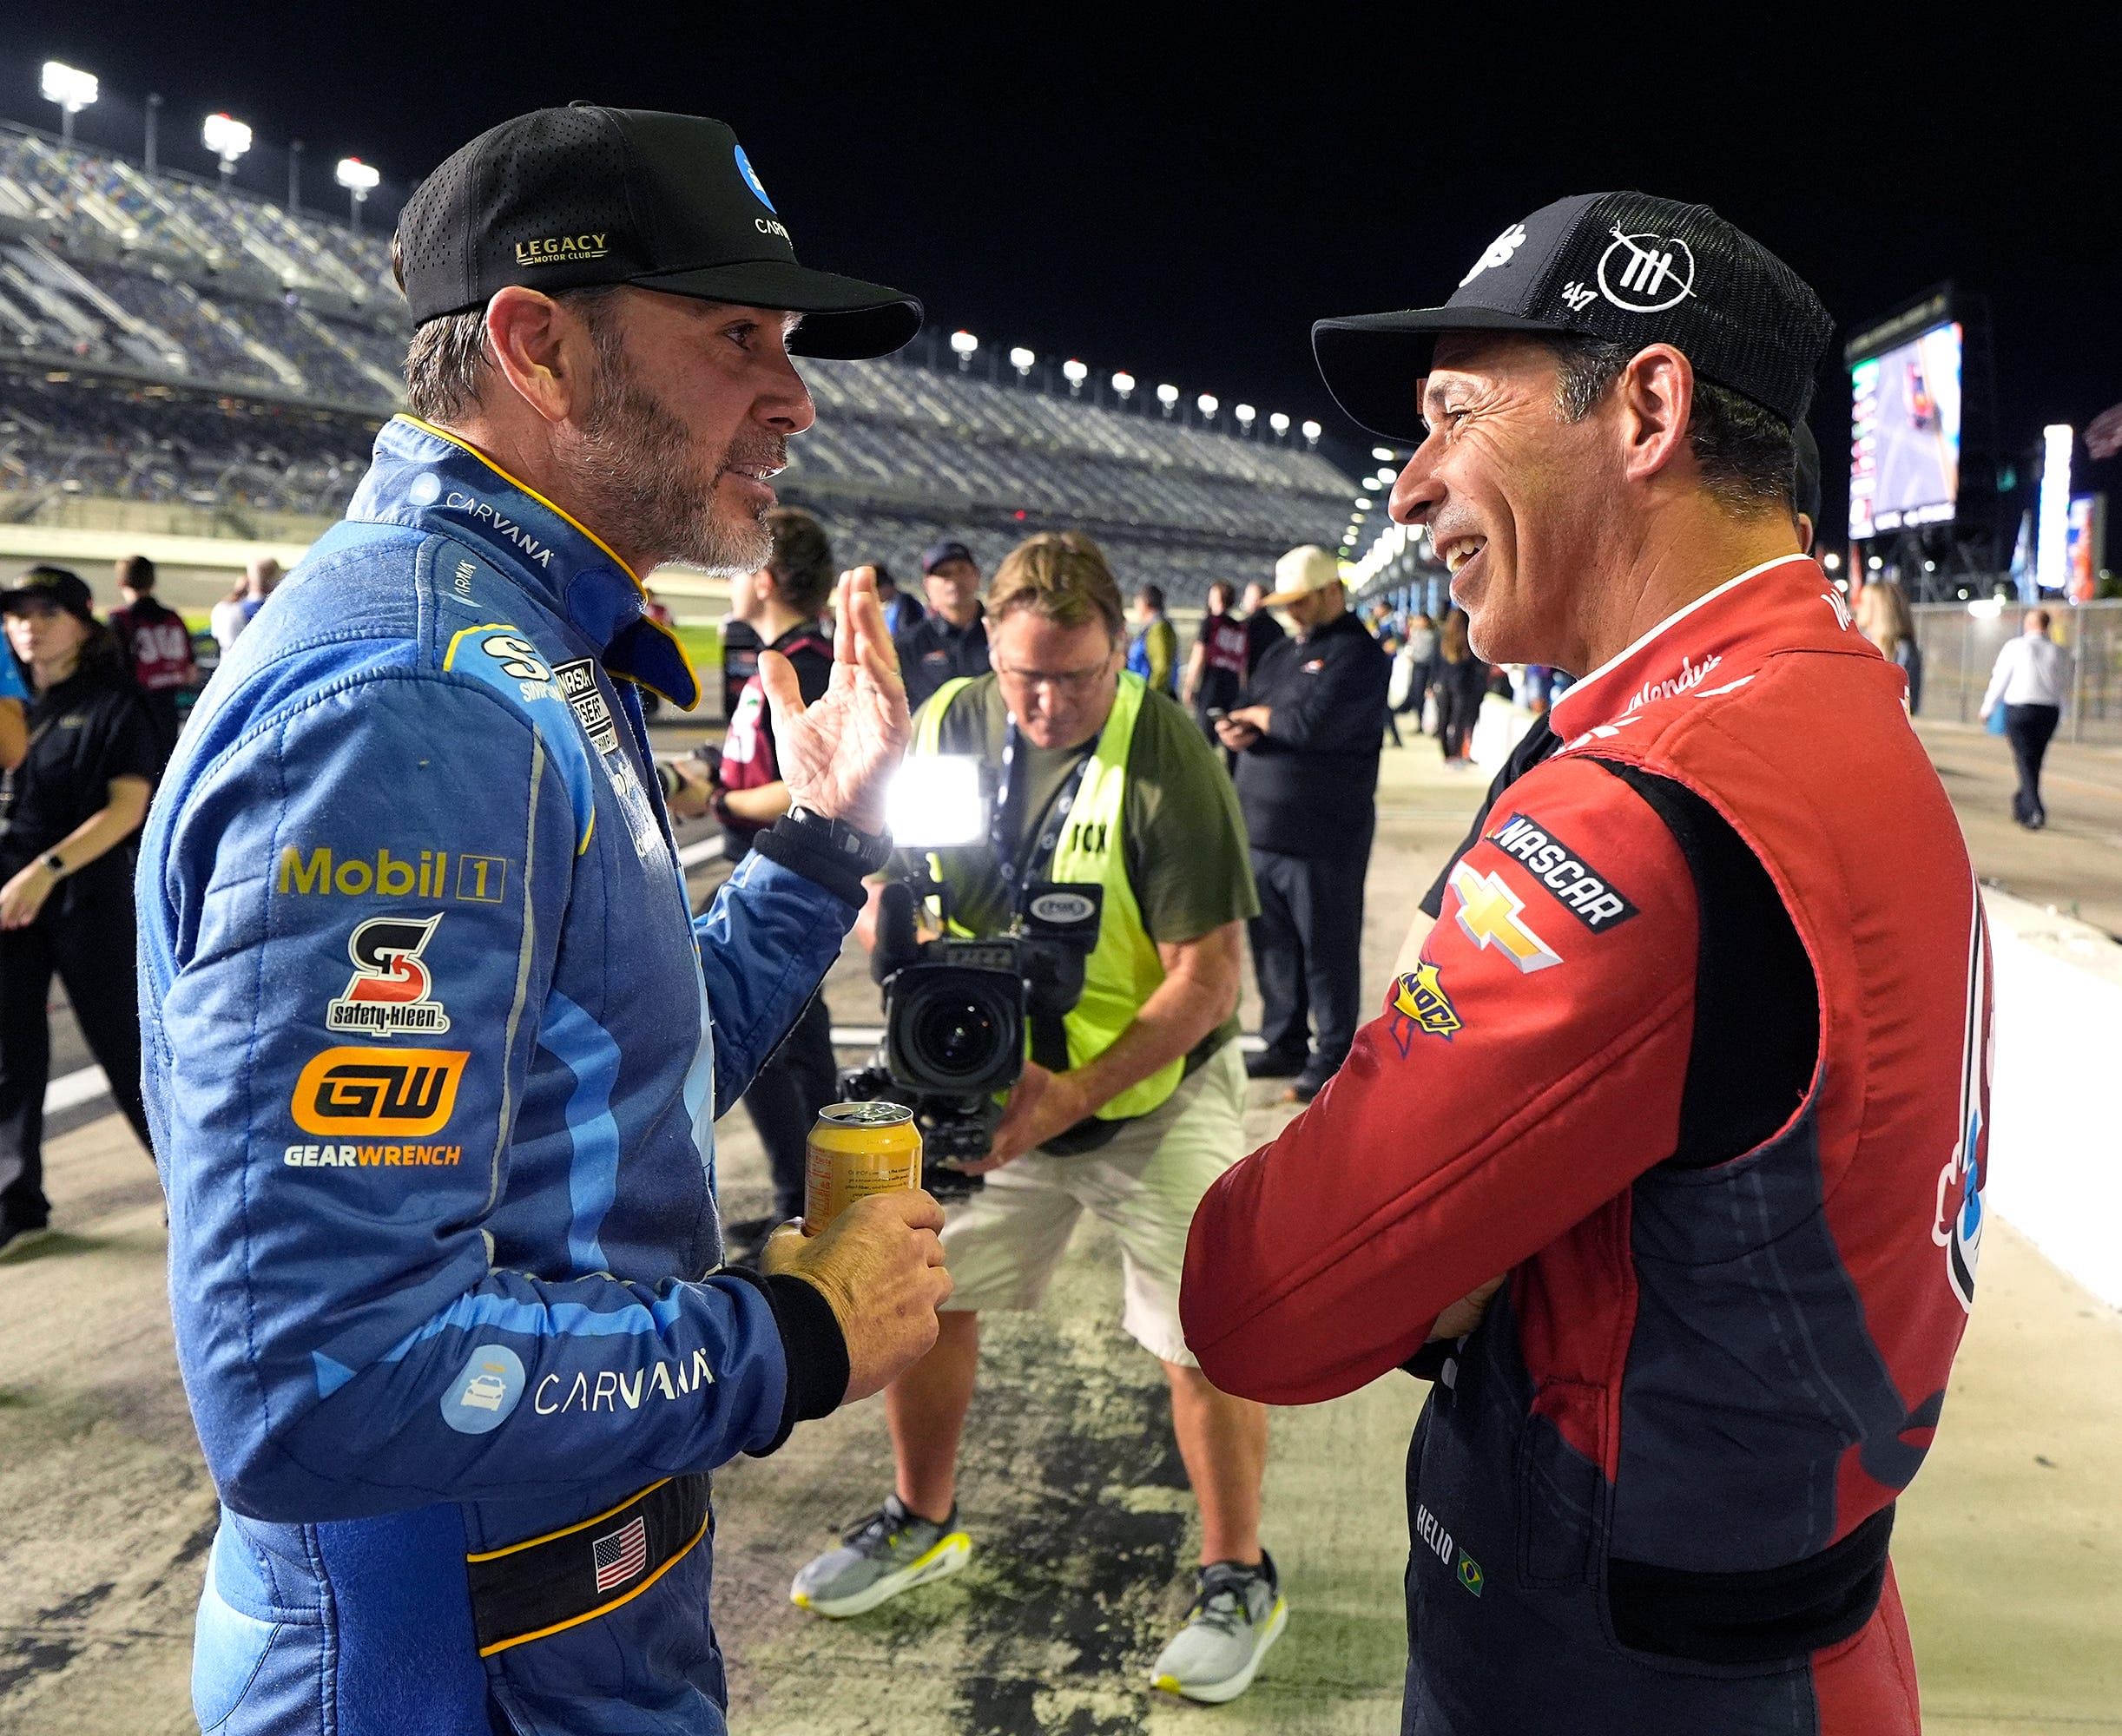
[[1698, 1056]]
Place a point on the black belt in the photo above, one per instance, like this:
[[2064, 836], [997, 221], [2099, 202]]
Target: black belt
[[1764, 1616], [544, 1584]]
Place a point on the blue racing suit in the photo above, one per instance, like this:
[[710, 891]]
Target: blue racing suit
[[434, 1053]]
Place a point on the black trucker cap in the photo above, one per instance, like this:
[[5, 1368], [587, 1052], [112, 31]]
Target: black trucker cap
[[54, 585], [564, 198], [1622, 266]]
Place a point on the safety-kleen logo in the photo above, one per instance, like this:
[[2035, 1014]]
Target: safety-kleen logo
[[389, 1093]]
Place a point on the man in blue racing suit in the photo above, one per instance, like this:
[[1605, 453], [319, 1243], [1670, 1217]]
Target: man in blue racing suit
[[434, 1049]]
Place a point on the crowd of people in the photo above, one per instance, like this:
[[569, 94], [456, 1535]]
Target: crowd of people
[[462, 1329]]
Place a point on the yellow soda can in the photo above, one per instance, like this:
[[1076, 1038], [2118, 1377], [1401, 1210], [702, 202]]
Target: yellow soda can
[[857, 1149]]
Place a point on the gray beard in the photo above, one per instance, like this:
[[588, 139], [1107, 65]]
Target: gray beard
[[634, 472]]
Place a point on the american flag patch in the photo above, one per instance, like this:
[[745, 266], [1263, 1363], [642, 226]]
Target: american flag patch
[[622, 1555]]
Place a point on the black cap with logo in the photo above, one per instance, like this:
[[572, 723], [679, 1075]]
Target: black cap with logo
[[565, 198], [54, 585], [1624, 266]]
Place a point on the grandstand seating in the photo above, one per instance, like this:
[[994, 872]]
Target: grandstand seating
[[163, 338]]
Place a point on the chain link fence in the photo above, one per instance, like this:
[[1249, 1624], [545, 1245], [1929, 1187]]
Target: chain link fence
[[1960, 649]]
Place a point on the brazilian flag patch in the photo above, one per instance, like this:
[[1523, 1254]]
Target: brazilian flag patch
[[1469, 1573]]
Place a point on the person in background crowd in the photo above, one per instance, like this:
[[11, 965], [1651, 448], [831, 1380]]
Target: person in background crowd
[[1153, 652], [1216, 666], [1127, 1107], [1461, 680], [68, 814], [950, 642], [1308, 729], [740, 643], [901, 608], [746, 793], [1883, 616], [157, 647], [1416, 657], [1261, 630], [2030, 681], [14, 707], [234, 611]]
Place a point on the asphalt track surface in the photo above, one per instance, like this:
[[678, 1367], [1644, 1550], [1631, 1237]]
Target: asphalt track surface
[[2008, 1549]]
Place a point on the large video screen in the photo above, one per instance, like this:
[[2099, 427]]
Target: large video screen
[[1904, 436]]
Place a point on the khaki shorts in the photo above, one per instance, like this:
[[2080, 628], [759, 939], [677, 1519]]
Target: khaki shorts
[[1004, 1243]]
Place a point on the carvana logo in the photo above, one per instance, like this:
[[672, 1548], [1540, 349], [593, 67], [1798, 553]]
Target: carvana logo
[[751, 178]]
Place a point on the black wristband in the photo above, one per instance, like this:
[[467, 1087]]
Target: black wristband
[[799, 848], [813, 1347]]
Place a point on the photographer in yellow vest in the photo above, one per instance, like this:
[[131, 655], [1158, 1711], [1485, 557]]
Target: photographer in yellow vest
[[1098, 779]]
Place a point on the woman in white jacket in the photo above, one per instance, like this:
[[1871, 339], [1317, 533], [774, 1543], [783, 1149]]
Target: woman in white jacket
[[2030, 680]]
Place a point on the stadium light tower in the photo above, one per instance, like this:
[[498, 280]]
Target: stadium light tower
[[1075, 373], [1124, 387], [1168, 395], [360, 180], [71, 89], [963, 344], [1022, 359], [1279, 424], [1312, 430], [228, 138], [1207, 405], [1245, 413], [1384, 455]]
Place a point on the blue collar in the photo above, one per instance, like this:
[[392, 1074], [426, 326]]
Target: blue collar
[[433, 481]]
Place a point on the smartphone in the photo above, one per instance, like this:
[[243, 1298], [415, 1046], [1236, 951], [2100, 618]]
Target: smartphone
[[1216, 713]]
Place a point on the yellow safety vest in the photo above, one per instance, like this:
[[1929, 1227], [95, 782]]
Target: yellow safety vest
[[1124, 968]]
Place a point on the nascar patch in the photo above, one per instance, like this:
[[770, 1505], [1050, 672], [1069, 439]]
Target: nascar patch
[[1576, 886]]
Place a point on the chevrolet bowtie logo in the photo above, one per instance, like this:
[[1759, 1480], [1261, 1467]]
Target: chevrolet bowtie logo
[[1489, 916]]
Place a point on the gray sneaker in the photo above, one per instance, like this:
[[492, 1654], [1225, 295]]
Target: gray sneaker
[[889, 1552], [1239, 1613]]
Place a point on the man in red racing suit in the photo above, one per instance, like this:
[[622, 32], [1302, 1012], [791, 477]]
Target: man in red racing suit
[[1685, 1057]]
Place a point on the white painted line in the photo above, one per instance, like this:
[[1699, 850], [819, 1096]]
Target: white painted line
[[73, 1089]]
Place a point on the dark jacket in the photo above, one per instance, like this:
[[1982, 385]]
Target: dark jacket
[[931, 652], [1310, 786]]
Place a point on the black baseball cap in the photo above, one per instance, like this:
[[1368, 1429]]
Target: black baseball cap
[[55, 586], [936, 553], [1626, 266], [565, 198], [1806, 495]]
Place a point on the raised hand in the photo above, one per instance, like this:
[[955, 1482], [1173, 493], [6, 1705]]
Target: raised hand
[[838, 754]]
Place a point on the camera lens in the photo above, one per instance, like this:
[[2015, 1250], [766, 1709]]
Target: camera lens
[[957, 1036]]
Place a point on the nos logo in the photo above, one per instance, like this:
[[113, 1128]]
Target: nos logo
[[386, 1092]]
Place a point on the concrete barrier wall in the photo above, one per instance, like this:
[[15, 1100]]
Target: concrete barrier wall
[[2055, 1143]]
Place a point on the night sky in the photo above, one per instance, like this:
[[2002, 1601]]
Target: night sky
[[1185, 207]]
